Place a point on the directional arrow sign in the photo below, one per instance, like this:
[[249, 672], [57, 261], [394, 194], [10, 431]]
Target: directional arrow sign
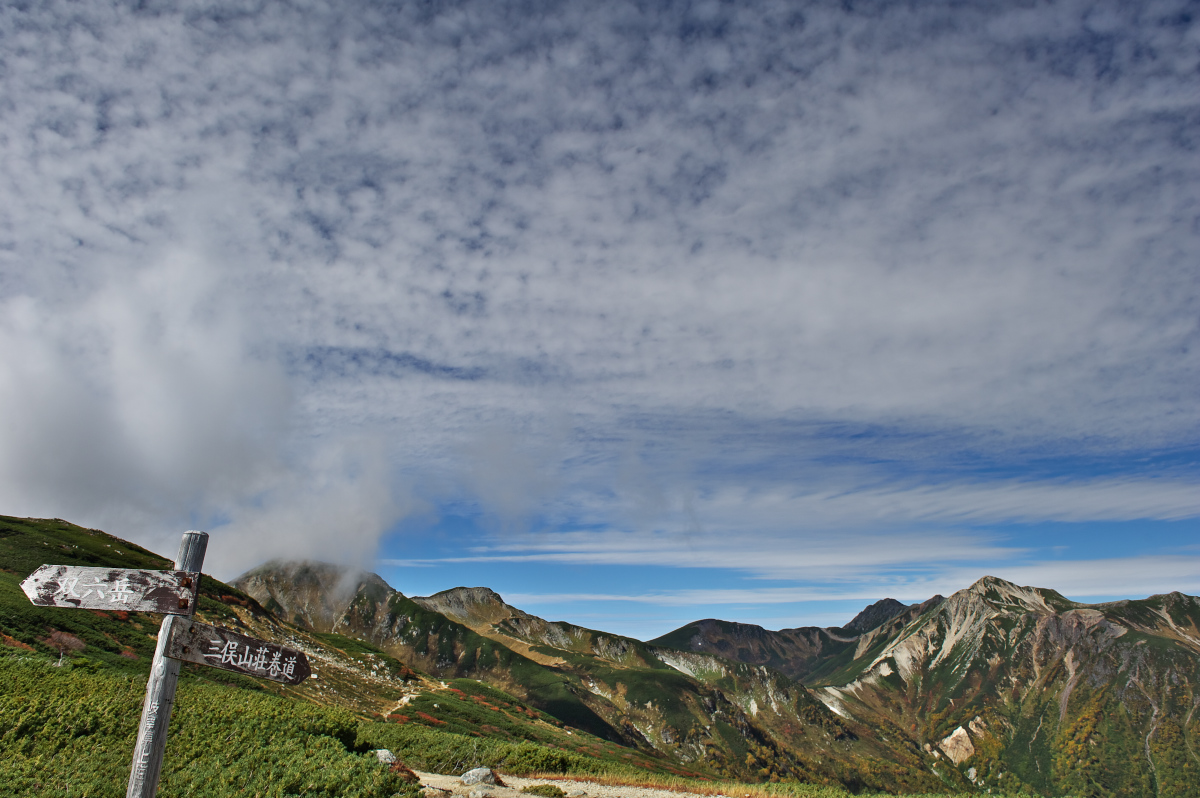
[[170, 592], [194, 641]]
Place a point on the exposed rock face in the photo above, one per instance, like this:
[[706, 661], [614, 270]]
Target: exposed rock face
[[870, 641], [958, 746], [1053, 679], [808, 653], [484, 612], [684, 705]]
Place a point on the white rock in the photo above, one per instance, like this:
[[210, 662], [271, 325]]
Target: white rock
[[958, 746], [479, 776], [384, 756]]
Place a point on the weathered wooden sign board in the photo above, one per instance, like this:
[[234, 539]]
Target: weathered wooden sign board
[[173, 593], [193, 641], [167, 592]]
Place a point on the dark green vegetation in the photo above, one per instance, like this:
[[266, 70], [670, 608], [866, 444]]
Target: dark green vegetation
[[69, 731], [117, 640], [72, 684]]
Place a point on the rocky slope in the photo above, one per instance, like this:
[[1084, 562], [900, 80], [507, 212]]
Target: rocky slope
[[1000, 687], [803, 654], [1019, 688], [726, 717]]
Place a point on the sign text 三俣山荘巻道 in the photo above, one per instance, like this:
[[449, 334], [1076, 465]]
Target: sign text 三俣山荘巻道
[[193, 641]]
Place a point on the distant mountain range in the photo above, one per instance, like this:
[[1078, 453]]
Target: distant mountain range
[[726, 717], [997, 687]]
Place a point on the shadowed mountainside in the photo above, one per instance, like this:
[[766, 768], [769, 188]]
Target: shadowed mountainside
[[998, 686], [724, 716], [804, 654]]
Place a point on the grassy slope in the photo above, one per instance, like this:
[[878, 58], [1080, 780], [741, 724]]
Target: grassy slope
[[105, 657], [68, 730], [354, 674]]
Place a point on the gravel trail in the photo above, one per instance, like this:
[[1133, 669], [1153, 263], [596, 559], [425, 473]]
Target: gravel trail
[[573, 788]]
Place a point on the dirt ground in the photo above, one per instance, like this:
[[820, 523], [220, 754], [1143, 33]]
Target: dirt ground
[[453, 786]]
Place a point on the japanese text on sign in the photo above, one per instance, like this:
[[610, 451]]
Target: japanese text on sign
[[78, 587], [201, 643]]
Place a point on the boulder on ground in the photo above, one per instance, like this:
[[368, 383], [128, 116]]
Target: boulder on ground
[[482, 776], [384, 756]]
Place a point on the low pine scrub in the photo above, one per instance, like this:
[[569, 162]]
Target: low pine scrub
[[544, 790], [69, 731]]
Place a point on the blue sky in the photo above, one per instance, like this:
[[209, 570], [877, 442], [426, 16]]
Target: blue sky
[[637, 313]]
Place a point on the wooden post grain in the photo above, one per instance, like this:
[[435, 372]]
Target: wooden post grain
[[160, 689]]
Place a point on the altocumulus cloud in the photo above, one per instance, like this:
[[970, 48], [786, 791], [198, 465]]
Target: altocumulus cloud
[[280, 268]]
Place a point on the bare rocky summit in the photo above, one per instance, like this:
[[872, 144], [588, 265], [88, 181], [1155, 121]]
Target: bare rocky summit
[[878, 613]]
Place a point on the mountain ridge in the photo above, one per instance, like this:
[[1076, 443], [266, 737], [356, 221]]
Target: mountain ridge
[[996, 685], [731, 717]]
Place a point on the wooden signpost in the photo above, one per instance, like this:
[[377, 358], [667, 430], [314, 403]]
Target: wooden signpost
[[180, 638]]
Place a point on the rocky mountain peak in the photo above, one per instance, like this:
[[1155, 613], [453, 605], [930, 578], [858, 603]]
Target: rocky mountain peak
[[470, 605], [879, 612], [985, 583], [469, 595], [1001, 593], [316, 594]]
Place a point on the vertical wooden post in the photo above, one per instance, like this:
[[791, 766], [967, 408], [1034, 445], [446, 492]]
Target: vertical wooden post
[[160, 689]]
